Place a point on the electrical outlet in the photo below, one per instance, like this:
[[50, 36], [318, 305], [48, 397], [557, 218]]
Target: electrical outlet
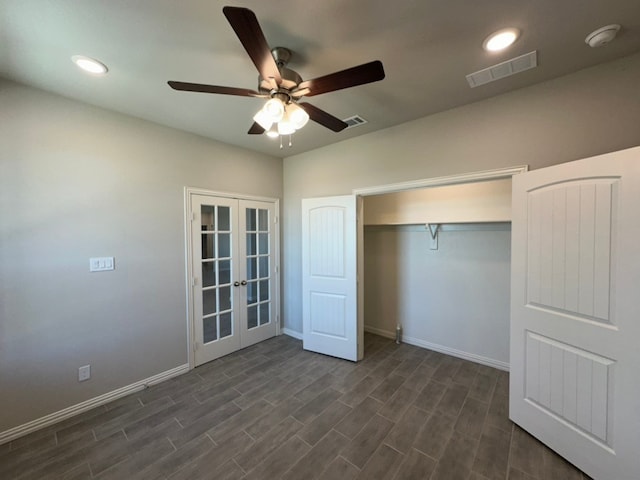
[[84, 373]]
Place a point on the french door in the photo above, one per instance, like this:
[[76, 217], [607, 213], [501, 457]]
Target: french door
[[233, 274]]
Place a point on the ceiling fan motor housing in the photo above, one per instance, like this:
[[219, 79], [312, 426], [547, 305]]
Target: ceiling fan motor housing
[[281, 55], [290, 78]]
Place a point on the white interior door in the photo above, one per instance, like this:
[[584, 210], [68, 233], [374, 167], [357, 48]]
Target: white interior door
[[575, 328], [329, 276], [234, 271]]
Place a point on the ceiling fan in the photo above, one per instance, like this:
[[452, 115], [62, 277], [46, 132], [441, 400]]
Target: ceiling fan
[[283, 113]]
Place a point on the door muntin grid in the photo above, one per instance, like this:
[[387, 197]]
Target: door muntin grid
[[216, 265], [258, 272]]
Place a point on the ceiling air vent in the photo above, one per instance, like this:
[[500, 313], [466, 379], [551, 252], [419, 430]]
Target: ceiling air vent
[[504, 69], [354, 121]]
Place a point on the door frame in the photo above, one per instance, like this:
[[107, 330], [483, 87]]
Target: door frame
[[455, 179], [188, 218]]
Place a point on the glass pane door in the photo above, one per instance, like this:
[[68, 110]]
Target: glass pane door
[[259, 236], [258, 295], [217, 304], [234, 271], [215, 260]]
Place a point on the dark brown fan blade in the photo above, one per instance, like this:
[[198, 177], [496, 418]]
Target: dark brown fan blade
[[323, 118], [256, 129], [351, 77], [198, 87], [245, 24]]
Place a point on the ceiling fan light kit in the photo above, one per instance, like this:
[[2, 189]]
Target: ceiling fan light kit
[[283, 113], [286, 118]]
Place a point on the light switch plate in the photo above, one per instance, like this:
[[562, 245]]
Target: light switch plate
[[101, 264]]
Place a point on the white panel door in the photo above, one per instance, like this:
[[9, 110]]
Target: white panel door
[[329, 276], [234, 270], [575, 327]]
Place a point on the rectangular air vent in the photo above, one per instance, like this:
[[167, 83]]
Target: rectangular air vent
[[354, 121], [504, 69]]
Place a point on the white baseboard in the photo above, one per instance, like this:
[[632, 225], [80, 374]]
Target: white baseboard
[[381, 332], [292, 333], [442, 349], [52, 418]]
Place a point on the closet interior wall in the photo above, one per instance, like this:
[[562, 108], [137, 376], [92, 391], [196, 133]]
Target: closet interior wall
[[453, 299]]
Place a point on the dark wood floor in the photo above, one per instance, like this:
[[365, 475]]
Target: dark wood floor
[[275, 411]]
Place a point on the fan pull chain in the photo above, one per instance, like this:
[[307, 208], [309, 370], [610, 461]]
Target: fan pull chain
[[290, 142]]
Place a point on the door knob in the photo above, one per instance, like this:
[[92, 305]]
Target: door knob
[[243, 282], [236, 284]]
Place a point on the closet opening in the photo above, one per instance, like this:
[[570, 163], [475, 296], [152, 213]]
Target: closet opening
[[436, 263]]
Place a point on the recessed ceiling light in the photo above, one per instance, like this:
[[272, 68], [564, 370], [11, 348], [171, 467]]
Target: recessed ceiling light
[[90, 65], [501, 39]]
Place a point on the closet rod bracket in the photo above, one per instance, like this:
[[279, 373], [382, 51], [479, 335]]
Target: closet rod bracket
[[433, 231]]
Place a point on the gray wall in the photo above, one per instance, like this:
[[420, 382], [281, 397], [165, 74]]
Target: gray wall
[[78, 182], [453, 299], [591, 112]]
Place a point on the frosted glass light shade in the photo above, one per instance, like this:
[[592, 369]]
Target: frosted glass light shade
[[275, 109], [263, 119], [297, 116], [285, 127], [272, 132]]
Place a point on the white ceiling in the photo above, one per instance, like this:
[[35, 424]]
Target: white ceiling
[[427, 47]]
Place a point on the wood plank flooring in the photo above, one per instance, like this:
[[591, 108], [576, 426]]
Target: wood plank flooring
[[274, 411]]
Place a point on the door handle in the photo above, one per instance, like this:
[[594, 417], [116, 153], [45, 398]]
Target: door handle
[[236, 284], [243, 283]]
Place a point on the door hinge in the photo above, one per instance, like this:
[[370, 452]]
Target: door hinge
[[193, 216], [194, 281], [195, 346], [277, 269], [275, 219]]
